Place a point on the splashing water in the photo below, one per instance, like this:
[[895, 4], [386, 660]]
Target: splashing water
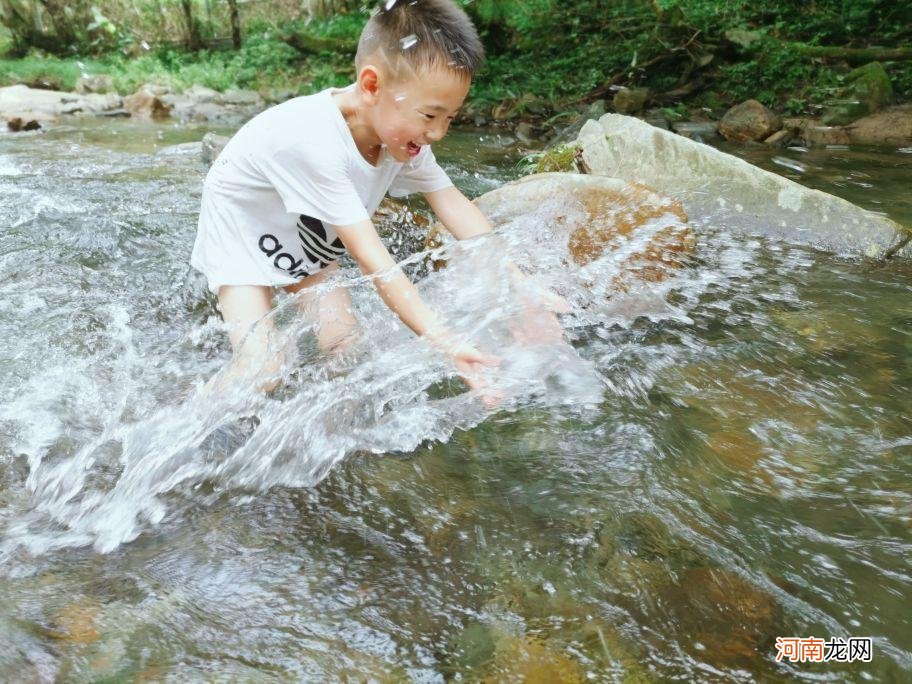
[[377, 401]]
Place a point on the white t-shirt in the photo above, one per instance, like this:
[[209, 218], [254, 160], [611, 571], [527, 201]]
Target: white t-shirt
[[286, 177]]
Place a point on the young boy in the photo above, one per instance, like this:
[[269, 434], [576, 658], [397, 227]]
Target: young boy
[[295, 188]]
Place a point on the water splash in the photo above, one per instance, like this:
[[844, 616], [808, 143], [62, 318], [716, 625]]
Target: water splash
[[384, 396], [409, 41]]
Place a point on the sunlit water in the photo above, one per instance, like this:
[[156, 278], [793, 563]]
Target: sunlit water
[[711, 462]]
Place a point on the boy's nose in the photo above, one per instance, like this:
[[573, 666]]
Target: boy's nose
[[436, 132]]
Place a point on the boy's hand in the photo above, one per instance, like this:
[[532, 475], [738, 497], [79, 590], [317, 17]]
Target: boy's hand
[[470, 363], [537, 322]]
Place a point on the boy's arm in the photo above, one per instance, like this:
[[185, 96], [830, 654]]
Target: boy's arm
[[460, 217], [400, 295], [395, 289]]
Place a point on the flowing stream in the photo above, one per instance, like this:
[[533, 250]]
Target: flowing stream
[[703, 465]]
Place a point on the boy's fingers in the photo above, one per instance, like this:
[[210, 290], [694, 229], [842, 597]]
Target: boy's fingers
[[472, 355]]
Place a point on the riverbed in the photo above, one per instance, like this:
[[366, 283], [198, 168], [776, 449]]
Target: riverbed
[[708, 463]]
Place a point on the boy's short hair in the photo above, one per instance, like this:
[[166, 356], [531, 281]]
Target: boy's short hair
[[417, 34]]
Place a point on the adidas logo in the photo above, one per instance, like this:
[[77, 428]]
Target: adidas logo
[[320, 252]]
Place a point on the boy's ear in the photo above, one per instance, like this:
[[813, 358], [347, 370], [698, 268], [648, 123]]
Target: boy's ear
[[369, 83]]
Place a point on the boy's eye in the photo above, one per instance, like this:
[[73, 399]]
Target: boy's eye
[[429, 116]]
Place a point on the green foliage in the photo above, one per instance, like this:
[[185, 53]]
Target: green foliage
[[30, 69], [538, 50], [6, 41]]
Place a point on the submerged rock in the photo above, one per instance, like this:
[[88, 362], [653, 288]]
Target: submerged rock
[[716, 186], [721, 618], [530, 659], [595, 214]]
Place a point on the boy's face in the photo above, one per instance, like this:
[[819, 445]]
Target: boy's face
[[417, 110]]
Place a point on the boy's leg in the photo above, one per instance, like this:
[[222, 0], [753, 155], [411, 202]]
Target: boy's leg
[[336, 325], [258, 356]]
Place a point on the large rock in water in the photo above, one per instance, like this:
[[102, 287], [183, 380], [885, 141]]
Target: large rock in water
[[867, 89], [594, 214], [146, 104], [721, 188], [749, 121], [891, 126]]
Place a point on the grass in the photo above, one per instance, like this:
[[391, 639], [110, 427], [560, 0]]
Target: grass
[[262, 64]]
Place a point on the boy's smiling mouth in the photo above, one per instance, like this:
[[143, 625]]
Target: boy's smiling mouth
[[413, 149]]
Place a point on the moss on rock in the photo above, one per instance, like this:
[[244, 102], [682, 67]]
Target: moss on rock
[[562, 158]]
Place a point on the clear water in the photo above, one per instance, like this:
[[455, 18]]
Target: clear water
[[708, 464]]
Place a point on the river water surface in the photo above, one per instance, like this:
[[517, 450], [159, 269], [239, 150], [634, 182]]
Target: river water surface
[[707, 464]]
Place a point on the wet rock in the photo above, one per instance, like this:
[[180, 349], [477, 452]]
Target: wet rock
[[749, 120], [729, 191], [867, 89], [813, 134], [889, 127], [211, 146], [630, 100], [597, 214], [696, 130], [94, 84], [145, 104]]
